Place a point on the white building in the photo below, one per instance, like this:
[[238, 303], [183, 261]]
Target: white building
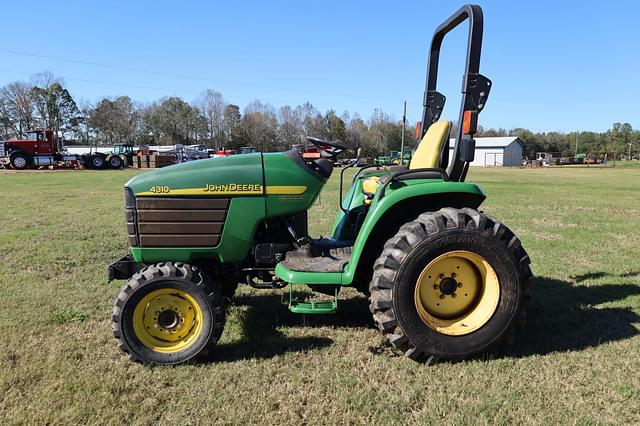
[[498, 151]]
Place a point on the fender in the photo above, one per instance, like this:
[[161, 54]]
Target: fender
[[386, 215], [13, 151]]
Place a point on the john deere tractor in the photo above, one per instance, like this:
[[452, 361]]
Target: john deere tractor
[[445, 281]]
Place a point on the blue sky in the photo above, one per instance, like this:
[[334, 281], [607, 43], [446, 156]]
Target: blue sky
[[555, 65]]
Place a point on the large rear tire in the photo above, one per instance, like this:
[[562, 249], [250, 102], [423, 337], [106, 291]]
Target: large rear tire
[[449, 285], [168, 313]]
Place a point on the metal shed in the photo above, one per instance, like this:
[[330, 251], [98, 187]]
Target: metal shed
[[496, 151]]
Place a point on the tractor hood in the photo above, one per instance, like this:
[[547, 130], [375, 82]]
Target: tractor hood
[[282, 178], [234, 175]]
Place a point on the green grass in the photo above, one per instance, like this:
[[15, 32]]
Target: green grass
[[576, 361], [67, 315]]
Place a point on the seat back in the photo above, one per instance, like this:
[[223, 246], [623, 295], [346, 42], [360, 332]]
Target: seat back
[[428, 153]]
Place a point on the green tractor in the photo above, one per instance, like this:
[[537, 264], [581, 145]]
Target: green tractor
[[121, 156], [445, 281], [125, 151], [406, 157], [383, 160]]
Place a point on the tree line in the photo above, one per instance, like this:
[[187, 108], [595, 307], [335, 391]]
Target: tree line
[[210, 120], [618, 141]]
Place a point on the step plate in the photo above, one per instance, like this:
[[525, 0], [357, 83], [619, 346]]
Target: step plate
[[323, 307], [301, 261]]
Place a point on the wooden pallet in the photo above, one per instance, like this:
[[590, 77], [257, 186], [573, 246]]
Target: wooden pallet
[[153, 161]]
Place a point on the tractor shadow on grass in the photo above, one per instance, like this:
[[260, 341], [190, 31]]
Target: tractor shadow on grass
[[596, 275], [566, 317], [263, 316]]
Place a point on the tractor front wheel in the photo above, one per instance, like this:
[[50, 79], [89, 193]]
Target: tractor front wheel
[[449, 285], [115, 162], [168, 313]]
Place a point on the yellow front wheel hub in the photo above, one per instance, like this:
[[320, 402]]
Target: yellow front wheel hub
[[167, 320], [457, 293]]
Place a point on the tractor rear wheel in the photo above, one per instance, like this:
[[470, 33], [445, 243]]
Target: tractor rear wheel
[[449, 285], [168, 313]]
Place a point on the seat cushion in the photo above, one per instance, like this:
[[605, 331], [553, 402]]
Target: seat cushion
[[427, 155]]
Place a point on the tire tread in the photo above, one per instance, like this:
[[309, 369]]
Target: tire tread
[[173, 270], [398, 247]]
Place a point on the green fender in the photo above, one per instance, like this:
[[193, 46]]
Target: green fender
[[423, 195], [430, 192]]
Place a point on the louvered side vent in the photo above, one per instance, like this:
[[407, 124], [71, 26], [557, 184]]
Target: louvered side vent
[[177, 222]]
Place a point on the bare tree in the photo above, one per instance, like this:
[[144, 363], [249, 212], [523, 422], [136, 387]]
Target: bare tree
[[5, 119], [212, 106], [356, 131], [234, 135], [18, 106], [313, 121], [260, 125], [375, 135], [290, 129], [45, 79]]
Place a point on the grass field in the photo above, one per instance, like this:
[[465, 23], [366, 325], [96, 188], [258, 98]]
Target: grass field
[[577, 361]]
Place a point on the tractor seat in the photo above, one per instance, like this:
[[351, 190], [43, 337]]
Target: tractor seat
[[427, 156]]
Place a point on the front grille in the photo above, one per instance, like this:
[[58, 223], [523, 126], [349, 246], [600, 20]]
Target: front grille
[[176, 222]]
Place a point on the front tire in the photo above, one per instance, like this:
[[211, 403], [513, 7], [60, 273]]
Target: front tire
[[168, 313], [115, 162], [449, 285], [19, 161]]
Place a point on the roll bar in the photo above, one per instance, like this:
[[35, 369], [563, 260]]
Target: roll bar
[[475, 91]]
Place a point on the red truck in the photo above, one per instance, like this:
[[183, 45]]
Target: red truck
[[40, 148]]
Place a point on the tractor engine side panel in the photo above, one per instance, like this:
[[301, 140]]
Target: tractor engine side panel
[[206, 209], [225, 240], [176, 222]]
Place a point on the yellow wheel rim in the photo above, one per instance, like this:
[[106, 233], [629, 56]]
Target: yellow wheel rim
[[457, 293], [167, 320]]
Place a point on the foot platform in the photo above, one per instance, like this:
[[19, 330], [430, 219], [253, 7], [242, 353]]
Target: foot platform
[[306, 259]]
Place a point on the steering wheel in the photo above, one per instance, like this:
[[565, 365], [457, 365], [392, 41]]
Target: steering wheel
[[327, 149]]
